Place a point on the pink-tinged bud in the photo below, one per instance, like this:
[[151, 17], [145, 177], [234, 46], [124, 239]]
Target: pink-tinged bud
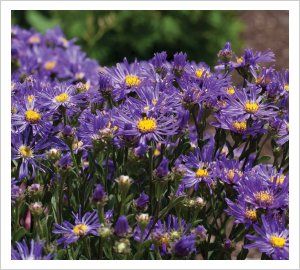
[[27, 223]]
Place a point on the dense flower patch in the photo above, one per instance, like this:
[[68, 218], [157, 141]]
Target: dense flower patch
[[158, 159]]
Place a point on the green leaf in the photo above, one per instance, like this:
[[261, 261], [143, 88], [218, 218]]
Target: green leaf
[[263, 159], [19, 234], [39, 22]]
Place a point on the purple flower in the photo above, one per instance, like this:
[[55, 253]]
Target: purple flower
[[34, 252], [83, 226], [248, 103], [122, 227], [142, 202], [200, 167], [272, 238], [185, 246], [99, 195]]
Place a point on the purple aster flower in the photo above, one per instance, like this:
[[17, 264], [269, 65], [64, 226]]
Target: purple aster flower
[[142, 202], [61, 95], [241, 212], [200, 232], [99, 194], [252, 59], [158, 61], [230, 171], [272, 238], [95, 128], [248, 103], [258, 192], [166, 233], [148, 119], [30, 151], [83, 226], [34, 252], [185, 246], [200, 167], [125, 78], [122, 227], [239, 125]]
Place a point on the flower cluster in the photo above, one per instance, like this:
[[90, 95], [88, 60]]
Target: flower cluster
[[158, 159]]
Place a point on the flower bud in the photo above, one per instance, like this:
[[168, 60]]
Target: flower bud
[[122, 227], [122, 246], [105, 231], [143, 220], [99, 195], [53, 154], [36, 208], [35, 189], [141, 203], [124, 183]]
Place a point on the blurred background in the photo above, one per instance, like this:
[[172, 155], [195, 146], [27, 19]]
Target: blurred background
[[109, 36]]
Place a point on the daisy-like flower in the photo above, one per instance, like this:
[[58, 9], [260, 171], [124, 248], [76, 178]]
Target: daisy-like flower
[[87, 224], [261, 193], [200, 167], [149, 119], [271, 174], [95, 127], [61, 95], [248, 103], [125, 78], [241, 212], [28, 113], [272, 238], [30, 151], [239, 125], [252, 59], [229, 170], [22, 251]]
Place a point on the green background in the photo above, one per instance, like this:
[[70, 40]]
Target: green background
[[109, 36]]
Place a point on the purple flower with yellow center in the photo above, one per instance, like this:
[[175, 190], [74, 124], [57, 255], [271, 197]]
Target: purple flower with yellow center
[[200, 167], [85, 225], [230, 171], [30, 151], [272, 175], [146, 120], [125, 78], [252, 59], [61, 95], [243, 213], [248, 103], [272, 238], [239, 125], [281, 130], [166, 233], [35, 251], [29, 114], [261, 193]]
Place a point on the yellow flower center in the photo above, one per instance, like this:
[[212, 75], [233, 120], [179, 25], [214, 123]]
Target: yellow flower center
[[286, 87], [199, 72], [264, 197], [251, 107], [146, 125], [230, 175], [277, 241], [25, 151], [240, 60], [63, 97], [230, 90], [251, 214], [240, 126], [258, 80], [80, 229], [49, 65], [201, 172], [34, 39], [156, 152], [32, 116], [132, 80]]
